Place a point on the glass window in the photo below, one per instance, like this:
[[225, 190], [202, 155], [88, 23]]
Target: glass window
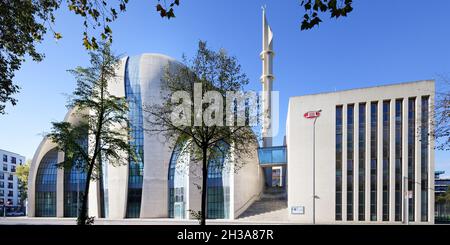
[[136, 166], [5, 167], [411, 156], [13, 160], [74, 185], [5, 158], [362, 162], [424, 134], [373, 159], [2, 175], [338, 163], [350, 163], [2, 192], [10, 177], [104, 189], [13, 169], [2, 184], [386, 160], [10, 193], [218, 189], [398, 158], [177, 183], [10, 185], [46, 185]]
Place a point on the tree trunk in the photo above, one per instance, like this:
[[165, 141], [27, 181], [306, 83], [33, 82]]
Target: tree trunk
[[83, 214], [204, 186]]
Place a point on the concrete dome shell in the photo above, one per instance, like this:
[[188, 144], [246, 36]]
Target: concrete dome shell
[[147, 70]]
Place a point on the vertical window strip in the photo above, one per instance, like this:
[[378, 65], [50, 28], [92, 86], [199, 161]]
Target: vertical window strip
[[46, 177], [362, 162], [398, 158], [136, 167], [338, 205], [217, 189], [424, 158], [350, 162], [411, 157], [386, 159], [177, 202], [373, 159], [74, 184]]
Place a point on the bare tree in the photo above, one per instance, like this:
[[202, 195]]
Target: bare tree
[[441, 112], [183, 87]]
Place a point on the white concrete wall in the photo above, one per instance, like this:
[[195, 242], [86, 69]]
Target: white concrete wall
[[156, 148], [117, 182], [248, 184], [299, 142]]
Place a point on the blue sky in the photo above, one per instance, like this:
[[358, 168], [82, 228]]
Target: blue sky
[[381, 42]]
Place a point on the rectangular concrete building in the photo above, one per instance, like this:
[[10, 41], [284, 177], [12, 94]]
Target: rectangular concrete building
[[9, 183], [374, 157]]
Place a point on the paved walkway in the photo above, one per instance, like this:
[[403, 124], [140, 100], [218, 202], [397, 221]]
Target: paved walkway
[[165, 221], [271, 207]]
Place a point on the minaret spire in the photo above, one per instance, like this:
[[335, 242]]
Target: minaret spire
[[266, 80]]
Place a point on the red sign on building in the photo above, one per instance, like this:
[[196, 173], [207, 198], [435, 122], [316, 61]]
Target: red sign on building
[[311, 114]]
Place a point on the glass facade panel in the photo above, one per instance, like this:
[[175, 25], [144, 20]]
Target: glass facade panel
[[338, 163], [74, 184], [362, 162], [398, 158], [350, 158], [136, 166], [424, 159], [373, 159], [411, 157], [177, 184], [218, 186], [46, 185], [386, 158], [271, 155], [104, 190]]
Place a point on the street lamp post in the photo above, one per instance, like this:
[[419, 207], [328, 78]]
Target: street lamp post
[[313, 115]]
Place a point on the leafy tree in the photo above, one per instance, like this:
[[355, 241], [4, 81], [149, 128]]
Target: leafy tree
[[22, 172], [21, 27], [314, 8], [23, 24], [444, 198], [207, 71], [103, 122]]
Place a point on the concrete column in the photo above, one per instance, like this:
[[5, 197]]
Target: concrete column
[[418, 171], [392, 161], [431, 159], [380, 162], [404, 159], [367, 157], [60, 187], [356, 162], [232, 184]]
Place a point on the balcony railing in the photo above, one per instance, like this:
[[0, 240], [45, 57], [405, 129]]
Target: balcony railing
[[275, 155]]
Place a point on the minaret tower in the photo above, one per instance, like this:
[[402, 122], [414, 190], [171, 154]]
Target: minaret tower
[[267, 80]]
